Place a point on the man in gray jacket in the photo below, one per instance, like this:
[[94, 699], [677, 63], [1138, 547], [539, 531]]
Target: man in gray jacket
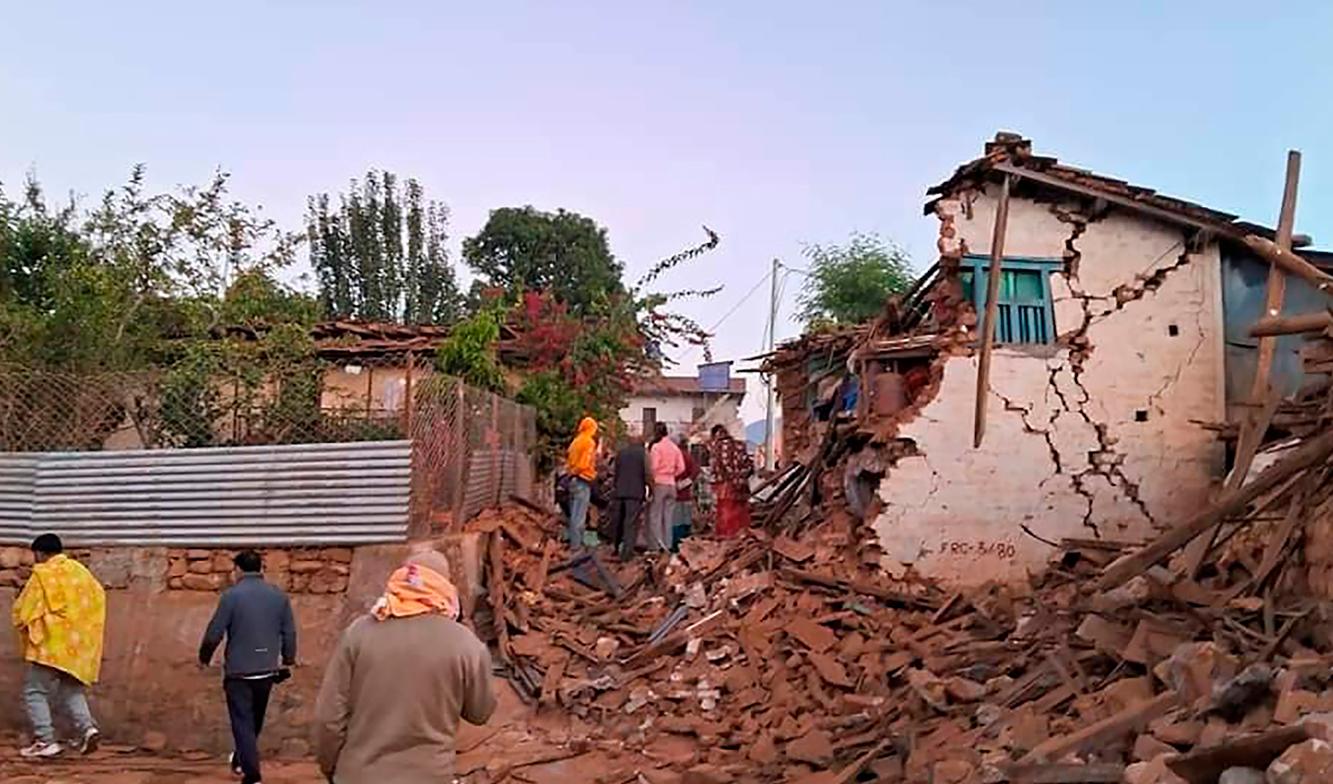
[[256, 619]]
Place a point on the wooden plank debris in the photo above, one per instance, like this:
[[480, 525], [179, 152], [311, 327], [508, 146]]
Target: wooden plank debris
[[1311, 452], [1121, 722]]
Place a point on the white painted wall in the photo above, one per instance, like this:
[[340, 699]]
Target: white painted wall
[[957, 513], [677, 411]]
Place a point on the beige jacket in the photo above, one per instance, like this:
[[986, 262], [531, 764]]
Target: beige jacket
[[392, 697]]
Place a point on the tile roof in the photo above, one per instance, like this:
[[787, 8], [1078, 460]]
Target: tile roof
[[1010, 150]]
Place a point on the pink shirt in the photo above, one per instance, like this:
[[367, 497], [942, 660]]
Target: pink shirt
[[668, 463]]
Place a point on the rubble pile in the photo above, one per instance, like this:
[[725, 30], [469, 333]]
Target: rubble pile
[[794, 658]]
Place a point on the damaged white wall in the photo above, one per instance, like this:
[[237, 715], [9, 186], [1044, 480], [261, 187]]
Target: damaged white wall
[[1103, 445]]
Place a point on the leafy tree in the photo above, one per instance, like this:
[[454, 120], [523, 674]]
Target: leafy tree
[[256, 298], [469, 353], [575, 363], [848, 284], [523, 249], [380, 254], [37, 243], [103, 289]]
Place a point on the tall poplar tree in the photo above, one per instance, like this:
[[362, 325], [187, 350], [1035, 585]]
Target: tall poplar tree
[[380, 255]]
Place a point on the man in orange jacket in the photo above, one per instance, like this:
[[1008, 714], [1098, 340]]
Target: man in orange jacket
[[581, 462]]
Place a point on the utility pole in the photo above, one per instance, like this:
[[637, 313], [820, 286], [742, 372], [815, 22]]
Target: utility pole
[[769, 462]]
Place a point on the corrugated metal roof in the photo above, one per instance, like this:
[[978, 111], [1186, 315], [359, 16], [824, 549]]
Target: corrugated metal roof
[[344, 493]]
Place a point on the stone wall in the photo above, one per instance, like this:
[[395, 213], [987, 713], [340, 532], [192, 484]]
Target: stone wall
[[160, 600], [312, 570], [322, 570], [1101, 435]]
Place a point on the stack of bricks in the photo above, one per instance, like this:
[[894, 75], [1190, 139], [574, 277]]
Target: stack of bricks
[[313, 570]]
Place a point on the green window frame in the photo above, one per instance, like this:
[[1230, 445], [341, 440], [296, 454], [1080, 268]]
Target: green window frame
[[1023, 311]]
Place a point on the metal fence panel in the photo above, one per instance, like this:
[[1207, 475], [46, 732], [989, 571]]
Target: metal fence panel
[[342, 493]]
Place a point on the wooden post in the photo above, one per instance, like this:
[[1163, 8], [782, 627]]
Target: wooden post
[[1277, 279], [992, 305], [1262, 393], [407, 392], [460, 454], [370, 388]]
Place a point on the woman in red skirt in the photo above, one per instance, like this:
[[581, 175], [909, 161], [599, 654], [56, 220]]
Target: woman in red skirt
[[731, 468]]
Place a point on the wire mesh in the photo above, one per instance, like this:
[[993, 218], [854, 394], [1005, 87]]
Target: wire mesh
[[471, 448]]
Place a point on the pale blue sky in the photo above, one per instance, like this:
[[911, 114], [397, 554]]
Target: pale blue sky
[[773, 123]]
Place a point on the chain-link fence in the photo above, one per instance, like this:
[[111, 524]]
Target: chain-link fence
[[471, 448]]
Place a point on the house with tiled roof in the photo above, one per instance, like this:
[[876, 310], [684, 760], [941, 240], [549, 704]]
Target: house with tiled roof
[[686, 404], [1122, 368]]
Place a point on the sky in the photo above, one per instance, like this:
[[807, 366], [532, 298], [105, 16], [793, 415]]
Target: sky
[[777, 124]]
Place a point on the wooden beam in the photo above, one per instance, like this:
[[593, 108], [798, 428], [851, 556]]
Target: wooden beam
[[1264, 248], [1277, 543], [1313, 451], [1119, 723], [1169, 216], [992, 305], [1268, 251], [1203, 766], [848, 774], [1251, 436], [1291, 325]]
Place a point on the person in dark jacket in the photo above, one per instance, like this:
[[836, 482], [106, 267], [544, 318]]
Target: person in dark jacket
[[256, 620], [631, 485]]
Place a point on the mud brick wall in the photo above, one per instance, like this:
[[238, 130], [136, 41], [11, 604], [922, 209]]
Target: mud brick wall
[[1100, 435], [159, 601]]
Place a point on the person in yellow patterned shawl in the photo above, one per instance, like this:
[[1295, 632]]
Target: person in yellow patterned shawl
[[60, 617]]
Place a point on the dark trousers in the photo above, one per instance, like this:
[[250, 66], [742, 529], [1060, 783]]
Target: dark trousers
[[625, 516], [247, 702]]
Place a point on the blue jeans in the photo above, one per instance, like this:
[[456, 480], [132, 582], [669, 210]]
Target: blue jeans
[[41, 686], [580, 498]]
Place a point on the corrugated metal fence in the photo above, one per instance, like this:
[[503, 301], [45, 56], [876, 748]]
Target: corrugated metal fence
[[342, 493]]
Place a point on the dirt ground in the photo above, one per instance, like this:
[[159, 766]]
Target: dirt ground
[[126, 766], [518, 745], [115, 765]]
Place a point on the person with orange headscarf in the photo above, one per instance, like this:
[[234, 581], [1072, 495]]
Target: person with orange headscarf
[[401, 679]]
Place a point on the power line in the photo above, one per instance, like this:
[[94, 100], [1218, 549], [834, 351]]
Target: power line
[[742, 301], [728, 314]]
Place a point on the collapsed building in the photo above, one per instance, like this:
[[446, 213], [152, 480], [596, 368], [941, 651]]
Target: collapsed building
[[1122, 367]]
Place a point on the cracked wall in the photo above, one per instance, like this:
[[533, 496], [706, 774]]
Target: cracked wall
[[1098, 436]]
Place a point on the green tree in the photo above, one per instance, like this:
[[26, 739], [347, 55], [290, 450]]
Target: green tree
[[380, 254], [470, 352], [523, 249], [849, 283], [104, 289]]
